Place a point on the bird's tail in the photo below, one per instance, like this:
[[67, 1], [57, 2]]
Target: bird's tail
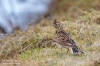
[[75, 49]]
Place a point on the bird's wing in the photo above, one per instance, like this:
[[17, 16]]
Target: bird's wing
[[68, 38], [65, 38]]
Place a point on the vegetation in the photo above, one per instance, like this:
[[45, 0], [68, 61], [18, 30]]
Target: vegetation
[[81, 19]]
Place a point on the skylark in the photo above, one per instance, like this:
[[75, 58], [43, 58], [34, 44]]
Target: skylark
[[61, 37]]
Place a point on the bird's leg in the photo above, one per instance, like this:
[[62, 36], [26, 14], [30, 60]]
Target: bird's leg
[[71, 51], [67, 50]]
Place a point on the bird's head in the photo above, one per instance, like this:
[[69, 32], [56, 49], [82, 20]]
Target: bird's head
[[57, 25]]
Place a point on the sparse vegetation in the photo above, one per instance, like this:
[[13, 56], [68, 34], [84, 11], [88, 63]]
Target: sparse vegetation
[[84, 28]]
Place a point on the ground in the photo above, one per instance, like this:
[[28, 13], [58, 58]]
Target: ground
[[83, 27]]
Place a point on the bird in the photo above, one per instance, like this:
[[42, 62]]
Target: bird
[[63, 39]]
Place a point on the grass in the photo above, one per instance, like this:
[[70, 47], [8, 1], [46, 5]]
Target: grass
[[86, 37], [44, 52], [84, 29]]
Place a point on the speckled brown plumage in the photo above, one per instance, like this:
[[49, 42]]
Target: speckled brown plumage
[[63, 38]]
